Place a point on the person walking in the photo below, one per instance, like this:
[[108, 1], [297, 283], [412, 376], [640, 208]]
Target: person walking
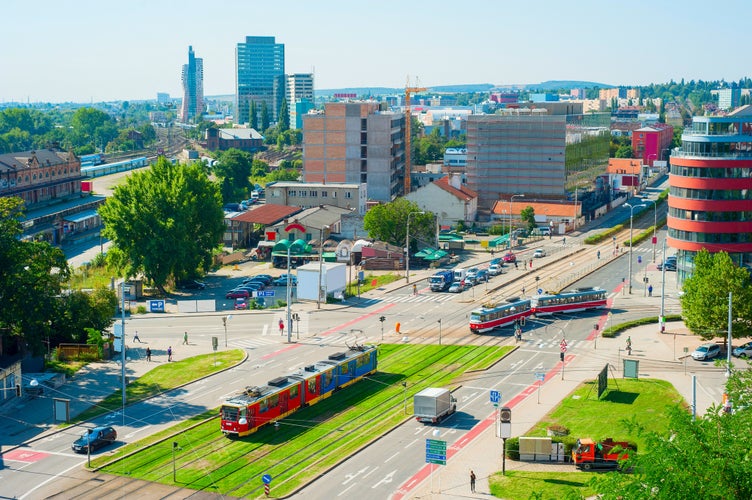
[[169, 354], [281, 327], [531, 263], [598, 255], [472, 482], [135, 338], [515, 265], [148, 354], [629, 346], [415, 289], [185, 338], [650, 290]]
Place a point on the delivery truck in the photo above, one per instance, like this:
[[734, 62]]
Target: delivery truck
[[433, 404]]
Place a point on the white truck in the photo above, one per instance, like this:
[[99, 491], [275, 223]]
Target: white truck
[[433, 404]]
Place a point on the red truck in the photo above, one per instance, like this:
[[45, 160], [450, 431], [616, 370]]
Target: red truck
[[588, 454]]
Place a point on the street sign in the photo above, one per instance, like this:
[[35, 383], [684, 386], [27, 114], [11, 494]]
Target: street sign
[[264, 293], [266, 478], [540, 376], [157, 306], [540, 291], [563, 346], [435, 451], [495, 397]]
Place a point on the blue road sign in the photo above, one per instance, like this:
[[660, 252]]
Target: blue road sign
[[265, 293], [639, 259], [495, 396], [540, 291], [156, 306], [540, 376], [266, 478]]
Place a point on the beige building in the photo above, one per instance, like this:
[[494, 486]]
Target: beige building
[[449, 199], [314, 194]]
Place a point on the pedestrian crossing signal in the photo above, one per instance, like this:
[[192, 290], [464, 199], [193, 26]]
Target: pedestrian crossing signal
[[561, 356]]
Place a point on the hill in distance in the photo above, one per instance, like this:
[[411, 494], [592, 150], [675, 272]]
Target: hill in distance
[[466, 88]]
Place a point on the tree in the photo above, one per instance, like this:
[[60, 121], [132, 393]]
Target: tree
[[164, 222], [264, 116], [527, 214], [90, 126], [624, 151], [705, 298], [283, 120], [234, 170], [253, 118], [676, 463], [388, 222]]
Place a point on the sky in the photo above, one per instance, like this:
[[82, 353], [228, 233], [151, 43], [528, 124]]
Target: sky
[[91, 51]]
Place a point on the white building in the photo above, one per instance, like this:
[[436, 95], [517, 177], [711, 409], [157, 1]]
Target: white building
[[449, 199]]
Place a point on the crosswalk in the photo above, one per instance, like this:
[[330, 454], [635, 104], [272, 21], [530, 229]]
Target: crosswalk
[[259, 341]]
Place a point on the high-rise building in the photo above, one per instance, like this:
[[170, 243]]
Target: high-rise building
[[711, 189], [531, 151], [729, 98], [259, 77], [356, 143], [193, 88], [299, 95]]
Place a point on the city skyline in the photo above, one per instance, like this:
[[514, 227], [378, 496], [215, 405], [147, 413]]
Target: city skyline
[[104, 51]]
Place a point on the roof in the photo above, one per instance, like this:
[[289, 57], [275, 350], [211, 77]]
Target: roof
[[463, 193], [239, 133], [22, 160], [323, 215], [81, 216], [624, 165], [267, 214], [552, 208]]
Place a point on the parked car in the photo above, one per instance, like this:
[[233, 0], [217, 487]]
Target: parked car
[[494, 269], [510, 257], [91, 439], [235, 294], [241, 304], [282, 280], [266, 279], [743, 351], [706, 351], [471, 273], [539, 252], [497, 260], [482, 275], [249, 287], [255, 281], [457, 287], [191, 285]]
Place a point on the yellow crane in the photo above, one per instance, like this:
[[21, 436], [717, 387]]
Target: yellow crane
[[408, 125]]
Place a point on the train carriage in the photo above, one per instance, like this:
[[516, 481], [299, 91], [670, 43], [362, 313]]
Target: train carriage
[[245, 413], [491, 316], [580, 299]]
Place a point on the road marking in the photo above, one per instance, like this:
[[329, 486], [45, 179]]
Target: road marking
[[371, 472], [345, 490], [128, 436], [385, 461], [387, 479], [53, 478]]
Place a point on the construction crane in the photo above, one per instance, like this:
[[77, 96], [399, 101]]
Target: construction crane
[[408, 125]]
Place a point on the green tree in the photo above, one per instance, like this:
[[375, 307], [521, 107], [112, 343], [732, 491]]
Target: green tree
[[388, 222], [164, 222], [624, 151], [283, 120], [234, 171], [675, 464], [253, 118], [705, 298], [92, 127], [259, 168], [265, 120], [527, 215]]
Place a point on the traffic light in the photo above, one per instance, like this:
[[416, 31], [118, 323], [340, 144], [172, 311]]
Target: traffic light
[[561, 356], [18, 390], [382, 318], [505, 414]]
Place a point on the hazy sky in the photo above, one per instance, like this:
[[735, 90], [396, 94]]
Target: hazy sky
[[80, 50]]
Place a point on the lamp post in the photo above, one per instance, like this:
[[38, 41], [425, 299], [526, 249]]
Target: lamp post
[[288, 295], [224, 322], [631, 215], [439, 331], [321, 265], [510, 215], [655, 222], [407, 246]]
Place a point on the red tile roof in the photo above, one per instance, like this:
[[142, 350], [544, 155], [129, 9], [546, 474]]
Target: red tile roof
[[267, 214], [464, 193]]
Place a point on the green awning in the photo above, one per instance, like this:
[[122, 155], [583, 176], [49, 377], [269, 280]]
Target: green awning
[[425, 252], [449, 237], [437, 255], [499, 241]]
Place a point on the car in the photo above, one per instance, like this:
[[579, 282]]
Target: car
[[542, 231], [494, 269], [539, 252], [282, 280], [497, 260], [191, 285], [669, 263], [457, 287], [706, 351], [241, 304], [91, 439], [482, 275], [235, 294], [247, 288], [743, 351], [510, 257], [255, 281], [263, 278], [471, 273], [519, 233]]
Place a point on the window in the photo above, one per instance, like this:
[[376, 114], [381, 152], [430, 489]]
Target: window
[[313, 194], [323, 194], [312, 385], [348, 195], [303, 194], [291, 193], [294, 391]]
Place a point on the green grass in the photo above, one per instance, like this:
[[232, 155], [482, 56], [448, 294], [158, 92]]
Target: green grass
[[311, 440], [163, 378], [541, 485], [367, 284]]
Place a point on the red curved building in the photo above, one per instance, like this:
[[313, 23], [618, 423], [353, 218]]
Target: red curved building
[[710, 202]]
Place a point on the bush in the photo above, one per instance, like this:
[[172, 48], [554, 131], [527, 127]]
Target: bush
[[613, 330], [496, 230], [141, 310]]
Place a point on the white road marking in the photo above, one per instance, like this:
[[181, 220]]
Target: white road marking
[[53, 478], [385, 461]]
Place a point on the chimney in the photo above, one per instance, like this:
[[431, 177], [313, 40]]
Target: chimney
[[456, 181]]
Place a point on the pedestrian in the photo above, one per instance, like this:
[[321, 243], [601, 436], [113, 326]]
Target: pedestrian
[[415, 289], [531, 263], [135, 338], [472, 482], [515, 265], [650, 290], [148, 354], [169, 354], [564, 240], [523, 290], [185, 338], [281, 327], [598, 255], [492, 252]]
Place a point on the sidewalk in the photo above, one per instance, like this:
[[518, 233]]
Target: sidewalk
[[655, 352]]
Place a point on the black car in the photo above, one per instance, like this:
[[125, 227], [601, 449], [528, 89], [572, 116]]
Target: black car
[[94, 438], [192, 285]]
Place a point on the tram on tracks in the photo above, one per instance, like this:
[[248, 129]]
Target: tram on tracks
[[496, 315], [579, 299], [245, 413]]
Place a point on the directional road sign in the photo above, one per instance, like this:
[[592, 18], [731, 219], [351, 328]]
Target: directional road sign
[[436, 451], [540, 291], [266, 478], [265, 293], [495, 397]]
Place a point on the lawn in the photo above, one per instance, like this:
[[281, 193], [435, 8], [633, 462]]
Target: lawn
[[307, 443], [541, 485], [165, 377]]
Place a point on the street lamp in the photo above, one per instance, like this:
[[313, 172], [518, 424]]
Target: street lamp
[[655, 223], [510, 215], [321, 259], [439, 331], [407, 246], [631, 245], [224, 322]]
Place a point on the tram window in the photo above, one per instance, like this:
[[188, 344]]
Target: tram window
[[274, 401], [328, 377], [243, 412], [362, 360], [263, 405], [229, 413], [294, 391], [312, 385], [345, 368]]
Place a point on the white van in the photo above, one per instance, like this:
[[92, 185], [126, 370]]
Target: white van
[[543, 230]]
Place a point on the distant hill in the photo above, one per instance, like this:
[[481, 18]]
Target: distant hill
[[565, 84], [466, 88]]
